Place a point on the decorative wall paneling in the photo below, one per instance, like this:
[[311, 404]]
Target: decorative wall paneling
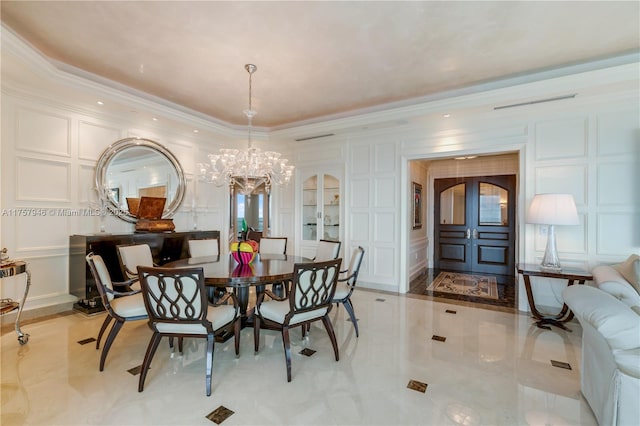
[[373, 209], [49, 154], [592, 153]]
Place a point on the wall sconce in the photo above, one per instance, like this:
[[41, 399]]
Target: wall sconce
[[551, 210]]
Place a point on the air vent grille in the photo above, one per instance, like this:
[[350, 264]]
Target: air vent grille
[[315, 137], [538, 101]]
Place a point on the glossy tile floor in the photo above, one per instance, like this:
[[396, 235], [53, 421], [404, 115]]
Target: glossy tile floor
[[417, 361]]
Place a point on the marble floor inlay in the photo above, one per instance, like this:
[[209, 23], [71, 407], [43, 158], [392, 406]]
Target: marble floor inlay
[[438, 338], [417, 386], [506, 289], [561, 364], [136, 370], [307, 352], [494, 369], [219, 415], [450, 311]]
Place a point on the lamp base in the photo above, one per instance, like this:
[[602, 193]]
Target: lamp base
[[551, 261]]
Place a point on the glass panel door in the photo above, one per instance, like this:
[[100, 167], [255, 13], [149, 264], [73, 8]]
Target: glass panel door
[[331, 208], [310, 209], [321, 217]]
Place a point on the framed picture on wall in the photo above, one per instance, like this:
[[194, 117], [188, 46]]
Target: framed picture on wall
[[417, 205]]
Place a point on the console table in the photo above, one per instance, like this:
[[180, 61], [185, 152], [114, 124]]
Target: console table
[[571, 275], [165, 247]]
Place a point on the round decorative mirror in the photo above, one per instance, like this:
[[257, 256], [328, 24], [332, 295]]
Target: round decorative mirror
[[135, 167]]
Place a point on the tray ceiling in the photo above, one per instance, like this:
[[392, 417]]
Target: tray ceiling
[[317, 59]]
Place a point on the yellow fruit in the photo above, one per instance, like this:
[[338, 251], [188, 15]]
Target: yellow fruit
[[246, 247]]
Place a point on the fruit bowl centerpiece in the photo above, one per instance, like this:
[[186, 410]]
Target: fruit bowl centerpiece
[[244, 252]]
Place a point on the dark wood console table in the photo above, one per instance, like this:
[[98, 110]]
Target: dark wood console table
[[571, 275], [165, 247]]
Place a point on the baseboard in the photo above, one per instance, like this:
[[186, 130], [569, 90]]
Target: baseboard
[[54, 306]]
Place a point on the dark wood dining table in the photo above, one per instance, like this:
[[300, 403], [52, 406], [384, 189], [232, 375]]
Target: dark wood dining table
[[224, 271]]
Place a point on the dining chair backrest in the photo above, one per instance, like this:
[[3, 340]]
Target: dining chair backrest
[[175, 299], [254, 235], [354, 265], [273, 245], [327, 250], [134, 255], [313, 287], [206, 247], [103, 278]]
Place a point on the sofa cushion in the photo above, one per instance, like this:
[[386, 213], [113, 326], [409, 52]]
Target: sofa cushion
[[630, 270]]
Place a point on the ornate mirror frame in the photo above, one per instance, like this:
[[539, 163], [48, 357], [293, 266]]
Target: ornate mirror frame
[[111, 153]]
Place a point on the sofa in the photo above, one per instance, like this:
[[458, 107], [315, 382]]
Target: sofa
[[610, 362]]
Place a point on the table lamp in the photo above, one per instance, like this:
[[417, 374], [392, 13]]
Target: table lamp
[[551, 210]]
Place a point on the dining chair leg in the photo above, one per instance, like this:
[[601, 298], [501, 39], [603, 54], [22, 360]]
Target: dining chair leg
[[210, 340], [327, 324], [148, 356], [180, 341], [105, 324], [107, 344], [171, 342], [287, 350], [256, 332], [349, 308]]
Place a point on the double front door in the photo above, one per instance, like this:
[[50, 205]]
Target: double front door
[[475, 224]]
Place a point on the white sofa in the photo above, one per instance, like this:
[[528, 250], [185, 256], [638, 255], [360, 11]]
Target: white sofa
[[621, 280], [610, 370]]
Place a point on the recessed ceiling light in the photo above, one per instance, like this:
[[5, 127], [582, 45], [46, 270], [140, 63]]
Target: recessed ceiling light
[[447, 115], [100, 103], [155, 119], [195, 130]]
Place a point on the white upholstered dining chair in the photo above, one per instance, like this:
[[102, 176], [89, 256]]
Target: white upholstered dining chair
[[327, 250], [273, 245], [309, 300], [130, 257], [347, 283], [206, 247], [177, 305], [121, 307]]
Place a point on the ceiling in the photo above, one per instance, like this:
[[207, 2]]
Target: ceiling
[[316, 60]]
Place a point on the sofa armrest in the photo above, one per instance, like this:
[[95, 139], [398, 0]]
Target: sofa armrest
[[614, 320]]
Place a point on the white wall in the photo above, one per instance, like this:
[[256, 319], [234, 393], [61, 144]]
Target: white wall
[[588, 146]]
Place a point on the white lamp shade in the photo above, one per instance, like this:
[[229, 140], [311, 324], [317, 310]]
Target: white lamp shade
[[553, 209]]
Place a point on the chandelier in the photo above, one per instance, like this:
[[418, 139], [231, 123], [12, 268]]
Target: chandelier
[[246, 170]]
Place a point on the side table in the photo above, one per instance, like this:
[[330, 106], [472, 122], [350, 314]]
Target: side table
[[16, 267], [571, 275]]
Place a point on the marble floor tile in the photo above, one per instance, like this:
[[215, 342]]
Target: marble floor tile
[[493, 368]]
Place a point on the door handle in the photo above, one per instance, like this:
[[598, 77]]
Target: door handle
[[468, 234], [475, 234]]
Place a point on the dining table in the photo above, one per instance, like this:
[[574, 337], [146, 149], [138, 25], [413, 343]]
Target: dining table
[[223, 271]]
